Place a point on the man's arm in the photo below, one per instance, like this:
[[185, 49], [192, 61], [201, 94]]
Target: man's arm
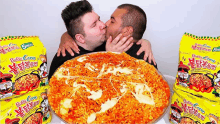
[[125, 44], [56, 62], [67, 43], [146, 47]]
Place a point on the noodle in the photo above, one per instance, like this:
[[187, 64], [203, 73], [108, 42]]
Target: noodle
[[119, 78]]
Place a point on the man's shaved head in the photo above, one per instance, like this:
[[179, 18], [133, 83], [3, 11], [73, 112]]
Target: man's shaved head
[[136, 18]]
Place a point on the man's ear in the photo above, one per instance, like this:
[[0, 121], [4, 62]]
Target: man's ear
[[80, 38], [127, 31]]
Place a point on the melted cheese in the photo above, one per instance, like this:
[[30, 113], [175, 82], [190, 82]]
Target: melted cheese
[[59, 72], [90, 67], [91, 118], [119, 69], [139, 89], [63, 111], [114, 70], [110, 103], [106, 106], [123, 89], [94, 95], [102, 70], [65, 105], [81, 59]]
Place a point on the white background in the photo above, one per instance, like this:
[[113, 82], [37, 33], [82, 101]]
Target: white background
[[167, 22]]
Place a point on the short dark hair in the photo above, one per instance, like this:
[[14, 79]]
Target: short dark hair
[[136, 18], [72, 16]]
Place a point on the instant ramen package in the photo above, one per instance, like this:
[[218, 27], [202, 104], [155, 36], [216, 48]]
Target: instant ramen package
[[197, 87], [199, 66], [23, 65], [30, 108], [190, 109]]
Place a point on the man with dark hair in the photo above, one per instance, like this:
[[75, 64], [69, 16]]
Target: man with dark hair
[[134, 17], [72, 14], [83, 25], [127, 20], [93, 28]]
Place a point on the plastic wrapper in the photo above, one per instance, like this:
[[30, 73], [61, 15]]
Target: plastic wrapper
[[199, 66], [196, 95], [30, 108], [190, 109], [23, 65]]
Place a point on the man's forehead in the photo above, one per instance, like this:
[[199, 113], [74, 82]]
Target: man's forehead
[[118, 13], [90, 17]]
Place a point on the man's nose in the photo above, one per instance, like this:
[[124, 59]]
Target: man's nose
[[103, 26], [107, 23]]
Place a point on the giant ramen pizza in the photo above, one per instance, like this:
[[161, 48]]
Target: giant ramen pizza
[[108, 88]]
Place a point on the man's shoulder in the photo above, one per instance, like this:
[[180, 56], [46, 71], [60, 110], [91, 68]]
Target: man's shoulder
[[63, 58], [134, 47], [100, 48], [67, 57], [58, 61], [133, 51]]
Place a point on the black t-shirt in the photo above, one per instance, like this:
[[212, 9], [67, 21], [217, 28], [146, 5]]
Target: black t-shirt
[[100, 48], [133, 52], [58, 61]]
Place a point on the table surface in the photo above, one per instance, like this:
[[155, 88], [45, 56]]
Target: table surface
[[164, 120]]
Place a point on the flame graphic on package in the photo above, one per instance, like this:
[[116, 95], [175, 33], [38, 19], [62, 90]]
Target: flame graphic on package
[[201, 88], [27, 88]]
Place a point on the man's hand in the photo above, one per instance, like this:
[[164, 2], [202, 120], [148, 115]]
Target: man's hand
[[67, 43], [146, 47], [119, 44]]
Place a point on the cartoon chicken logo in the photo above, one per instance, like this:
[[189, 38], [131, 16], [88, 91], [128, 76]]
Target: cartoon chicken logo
[[6, 85], [183, 75], [176, 111], [217, 85], [45, 106], [43, 66]]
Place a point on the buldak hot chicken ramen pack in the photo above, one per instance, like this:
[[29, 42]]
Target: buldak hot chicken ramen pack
[[23, 65], [197, 88], [23, 81]]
